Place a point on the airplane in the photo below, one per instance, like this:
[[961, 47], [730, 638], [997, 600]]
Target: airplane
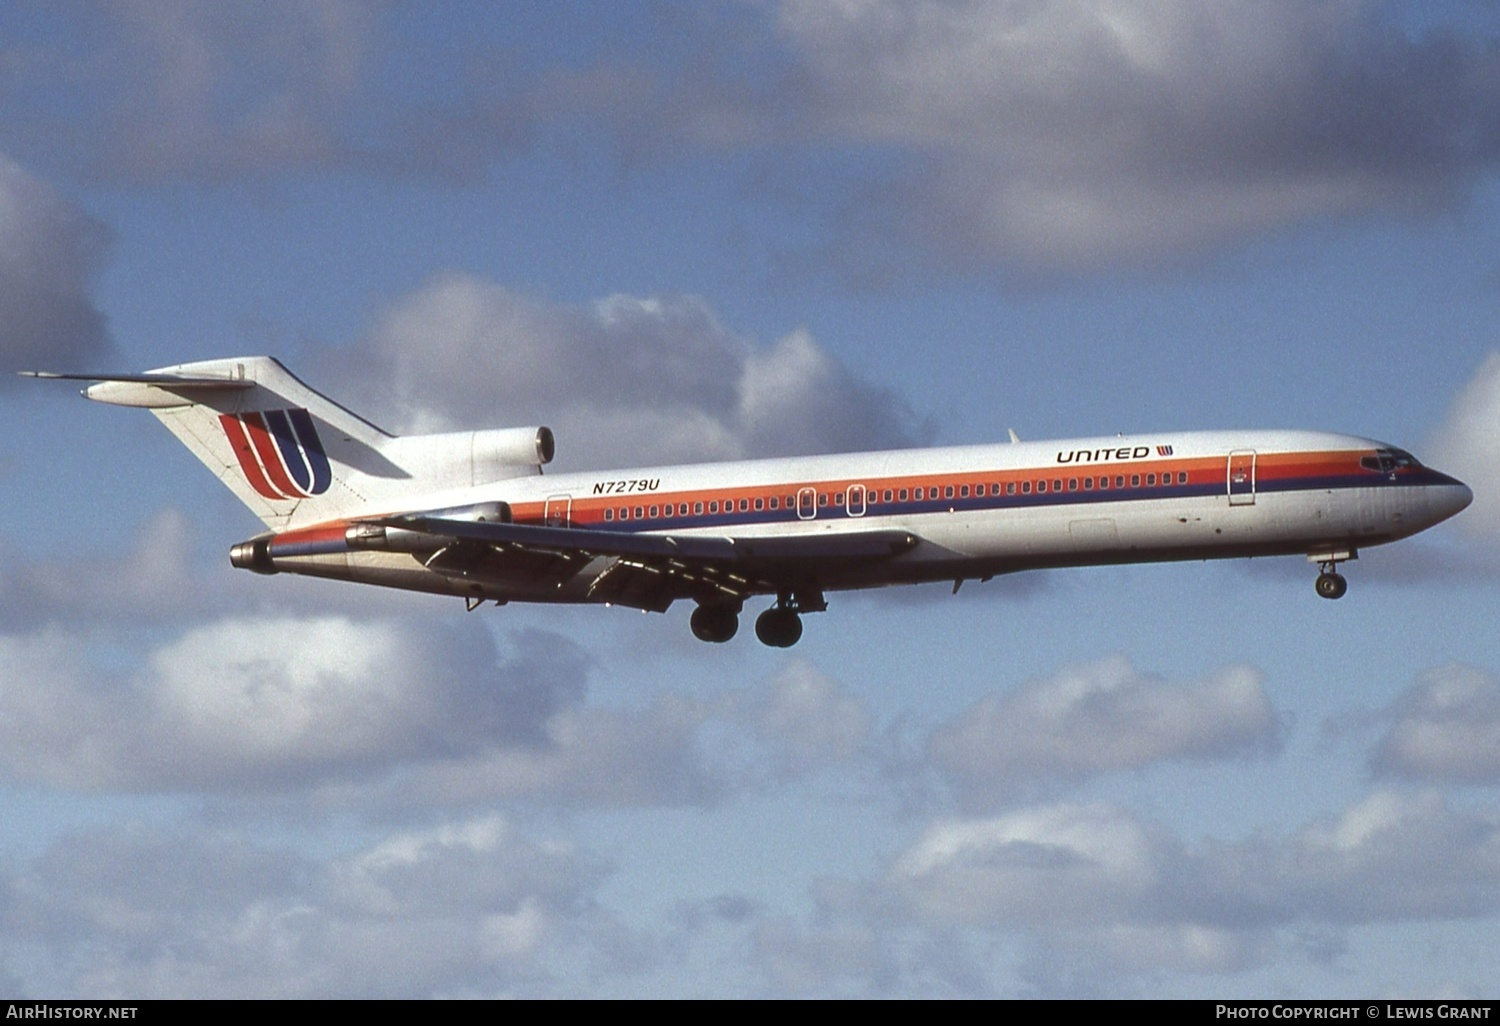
[[470, 514]]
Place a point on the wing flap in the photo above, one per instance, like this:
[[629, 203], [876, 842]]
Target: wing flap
[[829, 545], [645, 571]]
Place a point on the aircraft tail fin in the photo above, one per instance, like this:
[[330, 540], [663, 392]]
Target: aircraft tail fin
[[296, 457]]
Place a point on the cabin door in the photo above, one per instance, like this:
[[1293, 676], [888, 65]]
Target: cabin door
[[559, 511], [1241, 485], [807, 503]]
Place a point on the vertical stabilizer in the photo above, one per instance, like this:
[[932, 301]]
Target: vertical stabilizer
[[289, 453], [296, 457]]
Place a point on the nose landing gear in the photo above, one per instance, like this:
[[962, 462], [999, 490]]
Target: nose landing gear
[[1331, 585]]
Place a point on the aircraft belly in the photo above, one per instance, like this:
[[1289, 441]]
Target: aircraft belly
[[1195, 527]]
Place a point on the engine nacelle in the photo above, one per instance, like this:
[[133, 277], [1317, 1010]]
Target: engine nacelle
[[253, 555], [461, 459], [367, 535]]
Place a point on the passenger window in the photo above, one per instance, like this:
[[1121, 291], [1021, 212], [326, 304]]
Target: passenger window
[[1150, 480], [1057, 484], [1135, 480], [609, 514], [1088, 484], [775, 502], [698, 509], [963, 491], [823, 499], [1010, 488], [903, 495], [713, 507], [1041, 486], [1072, 484], [640, 512], [760, 504], [917, 494], [744, 505]]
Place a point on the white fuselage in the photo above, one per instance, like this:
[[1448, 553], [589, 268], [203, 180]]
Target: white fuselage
[[973, 511]]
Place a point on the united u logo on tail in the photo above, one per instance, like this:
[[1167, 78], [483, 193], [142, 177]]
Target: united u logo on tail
[[279, 452]]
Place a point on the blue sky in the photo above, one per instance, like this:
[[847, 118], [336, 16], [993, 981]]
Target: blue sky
[[715, 231]]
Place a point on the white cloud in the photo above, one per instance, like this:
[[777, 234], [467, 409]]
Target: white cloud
[[1030, 138], [628, 382], [381, 714], [1468, 447], [1393, 856], [1445, 727], [809, 718], [468, 907], [1096, 889], [654, 755], [1098, 718], [263, 702], [1054, 864], [213, 92], [50, 252], [1071, 133], [151, 582]]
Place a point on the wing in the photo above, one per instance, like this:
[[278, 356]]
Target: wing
[[647, 571]]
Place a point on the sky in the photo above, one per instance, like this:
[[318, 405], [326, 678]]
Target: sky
[[716, 231]]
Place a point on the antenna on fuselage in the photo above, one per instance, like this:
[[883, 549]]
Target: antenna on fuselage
[[1014, 438]]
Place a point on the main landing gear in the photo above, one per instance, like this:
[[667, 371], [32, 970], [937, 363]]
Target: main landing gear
[[779, 627], [715, 623]]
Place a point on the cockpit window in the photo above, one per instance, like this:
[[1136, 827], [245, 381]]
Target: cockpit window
[[1386, 461]]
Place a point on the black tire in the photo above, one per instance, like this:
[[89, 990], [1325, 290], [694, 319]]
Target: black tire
[[778, 627], [1331, 585], [714, 624]]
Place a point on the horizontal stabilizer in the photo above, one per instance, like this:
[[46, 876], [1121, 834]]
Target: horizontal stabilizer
[[168, 380]]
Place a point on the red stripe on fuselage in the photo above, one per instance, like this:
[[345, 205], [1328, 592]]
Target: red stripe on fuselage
[[1202, 471]]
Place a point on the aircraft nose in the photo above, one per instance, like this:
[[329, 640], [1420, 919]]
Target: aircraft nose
[[1450, 498]]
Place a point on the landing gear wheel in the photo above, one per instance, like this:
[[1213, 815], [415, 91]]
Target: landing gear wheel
[[778, 627], [1331, 585], [715, 624]]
